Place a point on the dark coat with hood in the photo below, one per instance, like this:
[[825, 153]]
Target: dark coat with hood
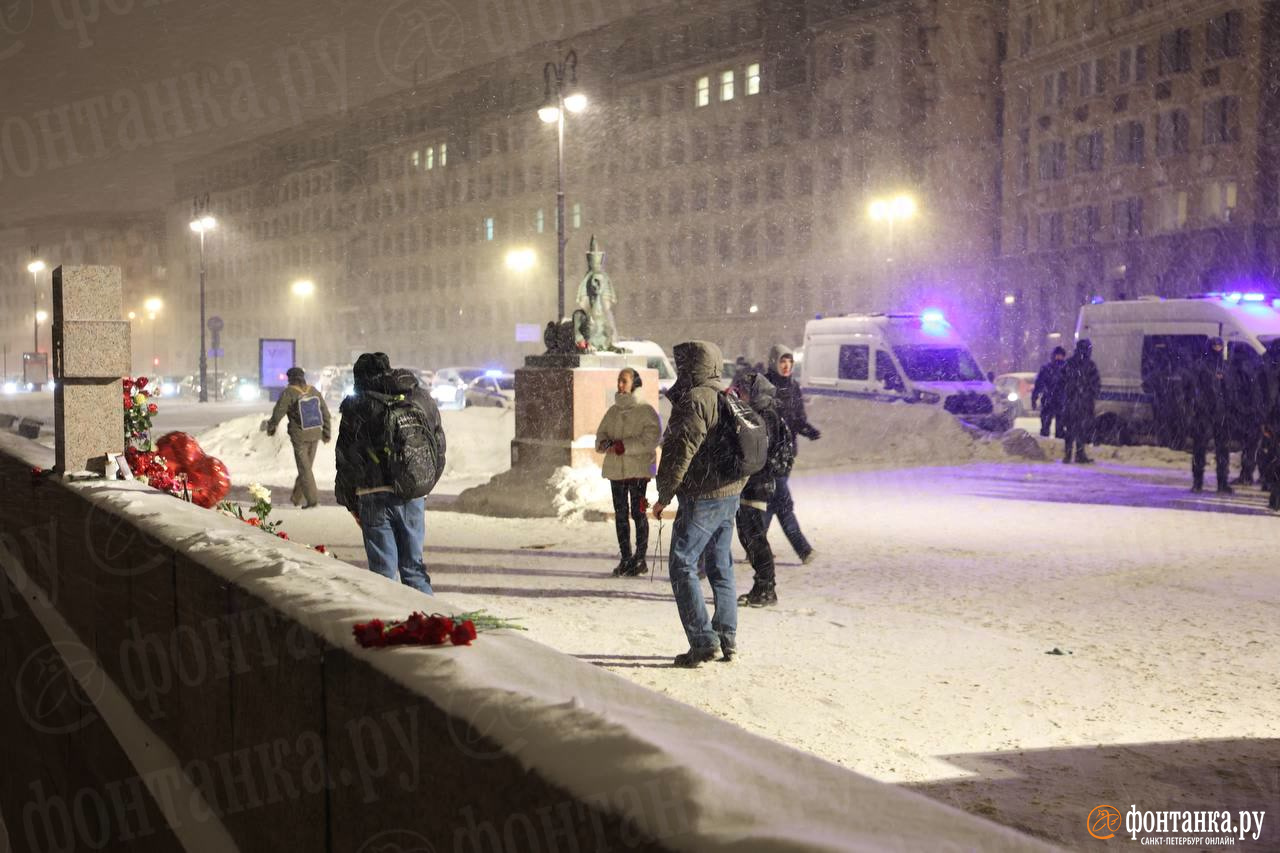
[[687, 468], [1081, 384], [1048, 390], [754, 389], [360, 432], [790, 400]]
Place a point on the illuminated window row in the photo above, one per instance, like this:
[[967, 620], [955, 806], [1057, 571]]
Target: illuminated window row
[[727, 85]]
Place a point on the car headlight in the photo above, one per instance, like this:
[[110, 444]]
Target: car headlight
[[1012, 397], [929, 397], [444, 393], [11, 387], [249, 392], [167, 389]]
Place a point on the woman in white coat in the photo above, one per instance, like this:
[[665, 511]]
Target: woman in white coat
[[628, 437]]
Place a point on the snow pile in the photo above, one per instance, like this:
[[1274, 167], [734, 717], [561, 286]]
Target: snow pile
[[869, 434], [478, 446], [564, 492]]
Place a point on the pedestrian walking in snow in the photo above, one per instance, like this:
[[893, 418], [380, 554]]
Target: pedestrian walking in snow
[[753, 530], [1246, 406], [691, 470], [1080, 386], [790, 403], [1206, 386], [1048, 392], [390, 454], [628, 437], [309, 425]]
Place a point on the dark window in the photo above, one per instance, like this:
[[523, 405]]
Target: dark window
[[699, 144], [748, 189], [675, 148], [1222, 121], [774, 184], [1140, 63], [1126, 218], [1053, 161], [699, 195], [1175, 51], [1223, 36], [1170, 354], [1173, 129], [867, 51], [804, 179], [1130, 142], [887, 372], [675, 200], [837, 59], [830, 122], [751, 136], [724, 192], [855, 360], [1089, 152]]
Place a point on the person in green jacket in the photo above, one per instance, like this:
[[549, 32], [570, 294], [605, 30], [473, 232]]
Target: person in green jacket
[[309, 424]]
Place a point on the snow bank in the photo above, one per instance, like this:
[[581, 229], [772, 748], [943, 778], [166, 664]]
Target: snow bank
[[565, 492], [478, 446], [867, 434]]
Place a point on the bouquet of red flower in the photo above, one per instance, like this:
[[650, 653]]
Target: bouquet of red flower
[[422, 630]]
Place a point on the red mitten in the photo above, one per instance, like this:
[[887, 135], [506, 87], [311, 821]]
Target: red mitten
[[618, 448]]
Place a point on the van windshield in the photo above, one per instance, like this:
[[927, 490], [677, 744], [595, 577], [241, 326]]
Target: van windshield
[[938, 364], [660, 365]]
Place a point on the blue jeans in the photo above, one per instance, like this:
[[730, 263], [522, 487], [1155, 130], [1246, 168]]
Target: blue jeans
[[394, 531], [781, 505], [705, 524]]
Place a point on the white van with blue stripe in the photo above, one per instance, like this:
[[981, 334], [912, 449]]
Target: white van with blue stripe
[[900, 358], [1132, 338]]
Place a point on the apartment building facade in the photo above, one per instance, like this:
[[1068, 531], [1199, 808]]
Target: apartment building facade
[[725, 163], [1139, 157]]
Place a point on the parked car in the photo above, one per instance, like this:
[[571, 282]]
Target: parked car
[[167, 386], [1016, 388], [242, 389], [449, 386], [495, 388], [14, 384]]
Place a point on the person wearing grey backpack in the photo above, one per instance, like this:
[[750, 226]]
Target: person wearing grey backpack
[[309, 425]]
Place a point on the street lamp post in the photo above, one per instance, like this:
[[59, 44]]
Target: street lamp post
[[201, 225], [891, 211], [35, 268], [562, 77]]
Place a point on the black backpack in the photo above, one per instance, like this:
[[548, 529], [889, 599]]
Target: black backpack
[[782, 449], [740, 442], [411, 455]]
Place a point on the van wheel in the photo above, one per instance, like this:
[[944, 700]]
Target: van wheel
[[1110, 429]]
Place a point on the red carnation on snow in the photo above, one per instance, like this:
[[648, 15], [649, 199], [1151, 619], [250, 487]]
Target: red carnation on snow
[[369, 634], [463, 633]]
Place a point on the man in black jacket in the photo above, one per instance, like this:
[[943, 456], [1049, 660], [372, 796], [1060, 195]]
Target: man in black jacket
[[1080, 386], [1247, 406], [752, 388], [1208, 398], [394, 528], [790, 403], [1048, 392]]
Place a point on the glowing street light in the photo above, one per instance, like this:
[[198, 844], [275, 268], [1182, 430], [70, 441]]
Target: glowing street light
[[153, 304], [896, 209], [35, 268], [521, 260], [561, 94], [41, 316], [201, 225], [303, 288]]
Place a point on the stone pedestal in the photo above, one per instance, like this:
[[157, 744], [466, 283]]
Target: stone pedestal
[[90, 355], [560, 400]]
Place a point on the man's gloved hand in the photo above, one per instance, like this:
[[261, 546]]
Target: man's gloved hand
[[814, 434], [618, 448]]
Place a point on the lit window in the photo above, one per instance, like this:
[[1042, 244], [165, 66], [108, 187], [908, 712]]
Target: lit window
[[726, 85], [577, 215], [703, 91], [539, 221], [415, 159], [431, 157], [488, 228], [753, 78], [444, 154]]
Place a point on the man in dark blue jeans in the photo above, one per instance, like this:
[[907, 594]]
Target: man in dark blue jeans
[[704, 521], [394, 528]]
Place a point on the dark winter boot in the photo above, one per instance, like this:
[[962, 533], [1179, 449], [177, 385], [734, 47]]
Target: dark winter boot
[[620, 570], [1081, 459], [728, 647], [761, 595], [636, 568], [695, 657], [1224, 488], [1197, 484]]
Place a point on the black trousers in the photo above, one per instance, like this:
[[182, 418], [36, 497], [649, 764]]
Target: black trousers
[[1200, 450], [753, 533], [1078, 432], [1250, 436], [628, 504], [1048, 416]]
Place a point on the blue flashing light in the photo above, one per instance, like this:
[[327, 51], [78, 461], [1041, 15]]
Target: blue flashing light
[[493, 374], [932, 317], [1097, 300], [1234, 298], [1254, 297]]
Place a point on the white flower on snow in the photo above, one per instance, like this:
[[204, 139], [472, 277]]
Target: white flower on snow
[[260, 493]]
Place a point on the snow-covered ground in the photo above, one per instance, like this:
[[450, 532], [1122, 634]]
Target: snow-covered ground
[[1023, 639]]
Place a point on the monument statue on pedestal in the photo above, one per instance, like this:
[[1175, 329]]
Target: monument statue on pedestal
[[592, 328]]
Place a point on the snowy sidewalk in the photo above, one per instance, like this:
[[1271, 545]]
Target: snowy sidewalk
[[914, 650]]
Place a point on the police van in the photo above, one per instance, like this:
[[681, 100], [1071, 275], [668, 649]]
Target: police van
[[909, 358], [1138, 343]]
